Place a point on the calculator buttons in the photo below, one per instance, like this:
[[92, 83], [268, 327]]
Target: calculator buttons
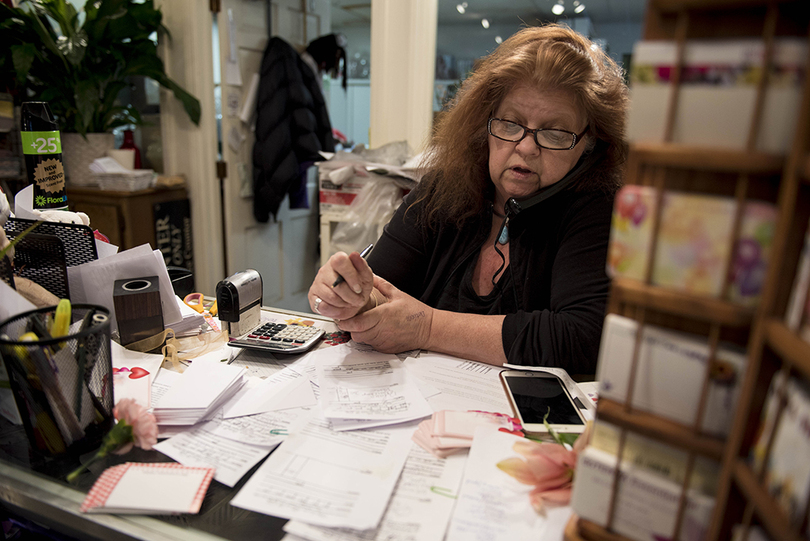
[[279, 337]]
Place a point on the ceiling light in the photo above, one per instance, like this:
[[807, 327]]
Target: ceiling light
[[498, 40], [557, 9], [580, 8], [485, 23], [462, 7]]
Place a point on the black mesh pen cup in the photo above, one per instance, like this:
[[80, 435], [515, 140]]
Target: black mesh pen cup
[[62, 386]]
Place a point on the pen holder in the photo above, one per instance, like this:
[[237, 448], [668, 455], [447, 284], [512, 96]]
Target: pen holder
[[62, 386]]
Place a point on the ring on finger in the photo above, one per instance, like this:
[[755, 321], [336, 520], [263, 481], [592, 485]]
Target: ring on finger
[[317, 305]]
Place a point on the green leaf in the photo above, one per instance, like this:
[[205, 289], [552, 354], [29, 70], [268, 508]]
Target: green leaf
[[74, 47], [22, 57], [190, 103], [87, 103], [562, 439], [53, 53]]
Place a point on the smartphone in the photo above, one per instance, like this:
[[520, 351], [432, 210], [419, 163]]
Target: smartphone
[[535, 394]]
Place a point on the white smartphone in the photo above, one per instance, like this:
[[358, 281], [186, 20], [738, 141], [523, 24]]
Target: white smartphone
[[535, 394]]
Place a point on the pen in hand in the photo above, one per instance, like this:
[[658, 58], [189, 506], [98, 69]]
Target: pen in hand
[[363, 254]]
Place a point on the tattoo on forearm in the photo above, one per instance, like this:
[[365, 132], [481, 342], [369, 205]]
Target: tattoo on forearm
[[414, 316]]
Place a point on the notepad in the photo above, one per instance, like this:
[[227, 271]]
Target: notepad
[[149, 489], [202, 389]]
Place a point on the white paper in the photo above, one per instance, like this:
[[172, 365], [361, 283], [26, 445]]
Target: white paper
[[162, 383], [464, 385], [190, 319], [236, 138], [13, 303], [327, 478], [366, 385], [160, 490], [201, 384], [249, 104], [94, 282], [420, 506], [105, 249], [133, 374], [493, 506], [199, 447], [285, 389], [265, 429], [233, 75], [24, 203]]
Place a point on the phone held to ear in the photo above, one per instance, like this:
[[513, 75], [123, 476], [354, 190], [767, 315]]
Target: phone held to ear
[[535, 394]]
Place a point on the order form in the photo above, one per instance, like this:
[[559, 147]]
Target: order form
[[328, 478]]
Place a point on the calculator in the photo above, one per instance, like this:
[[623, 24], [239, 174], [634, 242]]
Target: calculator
[[279, 338]]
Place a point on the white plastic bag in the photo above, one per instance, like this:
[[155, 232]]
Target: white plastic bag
[[373, 207]]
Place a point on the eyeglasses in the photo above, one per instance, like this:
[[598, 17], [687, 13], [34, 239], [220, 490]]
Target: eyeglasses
[[506, 130]]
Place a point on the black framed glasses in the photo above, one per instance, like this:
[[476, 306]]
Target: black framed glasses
[[506, 130]]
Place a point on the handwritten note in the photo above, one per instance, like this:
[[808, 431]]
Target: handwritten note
[[464, 385], [328, 478], [198, 447], [366, 385], [420, 506]]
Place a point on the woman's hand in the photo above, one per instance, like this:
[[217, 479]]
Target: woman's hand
[[399, 323], [348, 298]]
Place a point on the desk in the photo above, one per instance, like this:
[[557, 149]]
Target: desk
[[33, 490], [39, 496]]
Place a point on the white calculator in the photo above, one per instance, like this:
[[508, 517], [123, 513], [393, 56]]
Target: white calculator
[[279, 338]]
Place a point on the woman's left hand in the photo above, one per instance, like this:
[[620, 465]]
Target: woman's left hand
[[401, 323]]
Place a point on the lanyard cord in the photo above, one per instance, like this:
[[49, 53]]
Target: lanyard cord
[[503, 227]]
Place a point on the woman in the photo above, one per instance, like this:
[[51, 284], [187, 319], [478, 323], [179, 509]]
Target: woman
[[499, 254]]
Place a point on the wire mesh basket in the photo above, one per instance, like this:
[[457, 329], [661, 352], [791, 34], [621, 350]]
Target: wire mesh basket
[[131, 181], [62, 386]]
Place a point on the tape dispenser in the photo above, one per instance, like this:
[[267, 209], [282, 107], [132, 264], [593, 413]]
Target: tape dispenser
[[239, 300]]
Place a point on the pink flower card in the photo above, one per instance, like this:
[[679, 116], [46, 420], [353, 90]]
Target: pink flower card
[[694, 242], [631, 232]]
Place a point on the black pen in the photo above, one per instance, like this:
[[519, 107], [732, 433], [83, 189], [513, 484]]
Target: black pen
[[363, 254]]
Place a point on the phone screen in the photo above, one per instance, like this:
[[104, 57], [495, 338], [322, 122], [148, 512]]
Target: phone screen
[[534, 396]]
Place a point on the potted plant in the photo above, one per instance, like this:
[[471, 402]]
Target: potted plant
[[79, 62]]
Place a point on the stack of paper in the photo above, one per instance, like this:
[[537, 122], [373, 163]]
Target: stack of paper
[[201, 390], [449, 432], [364, 388], [190, 324]]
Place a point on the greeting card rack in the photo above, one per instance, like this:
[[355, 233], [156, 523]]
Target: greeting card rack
[[741, 500]]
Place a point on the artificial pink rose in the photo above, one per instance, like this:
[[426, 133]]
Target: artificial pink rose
[[135, 426], [144, 425], [549, 467]]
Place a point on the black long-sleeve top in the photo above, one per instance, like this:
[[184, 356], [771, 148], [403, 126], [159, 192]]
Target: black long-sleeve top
[[554, 291]]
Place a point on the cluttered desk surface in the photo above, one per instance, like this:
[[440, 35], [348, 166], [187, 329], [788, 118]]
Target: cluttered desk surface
[[349, 466]]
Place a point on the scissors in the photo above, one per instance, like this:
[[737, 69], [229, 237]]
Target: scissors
[[195, 301]]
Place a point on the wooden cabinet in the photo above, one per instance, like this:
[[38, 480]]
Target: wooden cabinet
[[126, 218], [741, 497]]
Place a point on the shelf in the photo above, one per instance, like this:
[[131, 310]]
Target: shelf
[[578, 529], [682, 304], [769, 512], [788, 345], [708, 159], [660, 429]]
